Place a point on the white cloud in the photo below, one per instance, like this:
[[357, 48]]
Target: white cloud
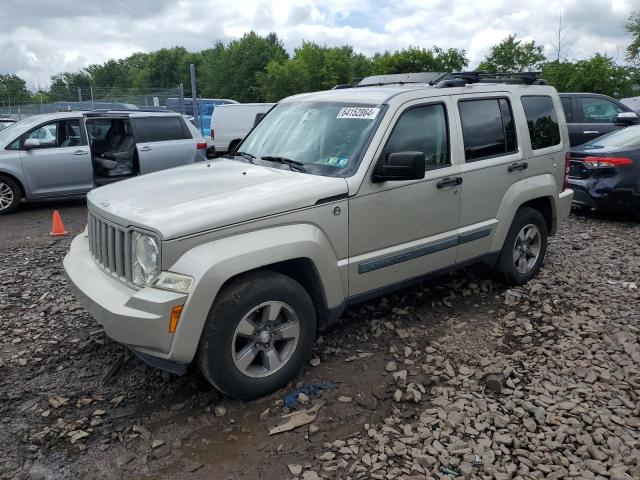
[[37, 40]]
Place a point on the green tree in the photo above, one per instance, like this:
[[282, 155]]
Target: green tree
[[69, 86], [598, 74], [281, 79], [633, 28], [513, 56], [313, 67], [166, 67], [230, 71], [415, 59], [561, 75], [114, 73], [13, 90]]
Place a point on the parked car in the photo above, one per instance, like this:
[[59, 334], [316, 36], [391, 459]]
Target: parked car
[[605, 173], [632, 102], [333, 198], [69, 153], [207, 105], [230, 124], [590, 115], [6, 122]]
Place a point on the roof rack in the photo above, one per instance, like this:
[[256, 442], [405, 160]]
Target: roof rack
[[446, 80], [527, 78]]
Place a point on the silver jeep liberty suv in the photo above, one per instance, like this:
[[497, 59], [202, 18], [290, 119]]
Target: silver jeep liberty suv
[[333, 198]]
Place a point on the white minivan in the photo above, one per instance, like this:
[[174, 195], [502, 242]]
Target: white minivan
[[231, 123]]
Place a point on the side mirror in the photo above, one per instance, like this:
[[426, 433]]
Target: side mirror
[[30, 143], [628, 118], [400, 166]]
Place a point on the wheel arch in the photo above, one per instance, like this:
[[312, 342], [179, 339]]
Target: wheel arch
[[23, 192], [540, 192], [313, 264]]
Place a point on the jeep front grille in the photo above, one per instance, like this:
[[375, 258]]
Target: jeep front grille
[[110, 247]]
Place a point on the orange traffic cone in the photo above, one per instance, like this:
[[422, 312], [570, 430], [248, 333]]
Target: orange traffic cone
[[57, 227]]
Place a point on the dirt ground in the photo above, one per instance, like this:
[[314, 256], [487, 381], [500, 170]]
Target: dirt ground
[[418, 363]]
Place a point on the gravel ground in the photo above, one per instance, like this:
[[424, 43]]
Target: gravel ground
[[459, 376]]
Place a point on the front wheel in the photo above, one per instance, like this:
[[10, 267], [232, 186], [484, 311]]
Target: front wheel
[[524, 248], [10, 195], [258, 335]]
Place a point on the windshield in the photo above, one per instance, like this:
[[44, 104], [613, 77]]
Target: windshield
[[627, 137], [326, 138]]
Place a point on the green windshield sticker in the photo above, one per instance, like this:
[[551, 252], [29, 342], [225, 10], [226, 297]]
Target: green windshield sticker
[[365, 113], [339, 162]]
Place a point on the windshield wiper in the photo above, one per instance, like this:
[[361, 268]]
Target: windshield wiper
[[292, 164], [246, 155]]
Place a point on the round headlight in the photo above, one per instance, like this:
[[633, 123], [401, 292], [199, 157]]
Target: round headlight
[[145, 258]]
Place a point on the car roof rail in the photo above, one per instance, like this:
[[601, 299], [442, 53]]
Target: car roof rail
[[445, 80], [527, 78], [401, 78]]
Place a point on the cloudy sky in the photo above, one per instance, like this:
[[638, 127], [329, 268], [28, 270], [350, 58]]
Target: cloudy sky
[[39, 37]]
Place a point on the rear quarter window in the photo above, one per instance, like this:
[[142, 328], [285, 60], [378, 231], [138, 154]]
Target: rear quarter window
[[542, 121], [160, 129]]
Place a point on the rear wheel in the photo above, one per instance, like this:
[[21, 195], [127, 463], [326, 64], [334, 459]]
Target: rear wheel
[[10, 195], [258, 335], [525, 247]]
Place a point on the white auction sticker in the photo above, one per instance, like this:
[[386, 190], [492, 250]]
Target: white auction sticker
[[358, 112]]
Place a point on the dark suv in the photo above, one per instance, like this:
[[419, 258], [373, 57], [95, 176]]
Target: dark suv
[[590, 115]]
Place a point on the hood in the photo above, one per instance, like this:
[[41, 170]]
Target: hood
[[207, 195]]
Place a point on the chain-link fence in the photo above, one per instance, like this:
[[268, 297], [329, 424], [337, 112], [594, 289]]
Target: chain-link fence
[[18, 102]]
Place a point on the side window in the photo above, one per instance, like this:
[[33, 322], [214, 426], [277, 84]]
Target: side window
[[60, 134], [542, 121], [422, 129], [567, 106], [487, 128], [159, 129], [598, 110], [47, 135]]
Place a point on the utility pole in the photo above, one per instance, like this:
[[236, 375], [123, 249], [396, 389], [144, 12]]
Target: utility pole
[[194, 97]]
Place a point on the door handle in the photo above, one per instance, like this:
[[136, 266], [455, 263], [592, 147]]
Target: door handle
[[80, 152], [518, 166], [590, 132], [146, 148], [449, 182]]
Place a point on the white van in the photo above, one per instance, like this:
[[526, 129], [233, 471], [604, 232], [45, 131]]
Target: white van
[[230, 124]]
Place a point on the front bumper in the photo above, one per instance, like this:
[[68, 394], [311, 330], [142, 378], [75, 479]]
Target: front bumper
[[136, 318]]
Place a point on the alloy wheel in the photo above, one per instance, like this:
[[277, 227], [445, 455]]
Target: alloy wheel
[[526, 248], [6, 196], [265, 339]]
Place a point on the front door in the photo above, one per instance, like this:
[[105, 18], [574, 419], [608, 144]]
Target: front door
[[60, 164], [400, 230], [597, 116]]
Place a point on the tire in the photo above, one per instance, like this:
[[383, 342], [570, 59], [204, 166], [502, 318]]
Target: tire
[[236, 352], [10, 195], [517, 261]]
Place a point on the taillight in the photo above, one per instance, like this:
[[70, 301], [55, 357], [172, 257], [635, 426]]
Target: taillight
[[607, 161], [201, 145], [212, 134], [567, 167]]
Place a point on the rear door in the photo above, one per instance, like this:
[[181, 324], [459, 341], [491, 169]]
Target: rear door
[[493, 162], [596, 116], [163, 142], [575, 129], [61, 164]]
